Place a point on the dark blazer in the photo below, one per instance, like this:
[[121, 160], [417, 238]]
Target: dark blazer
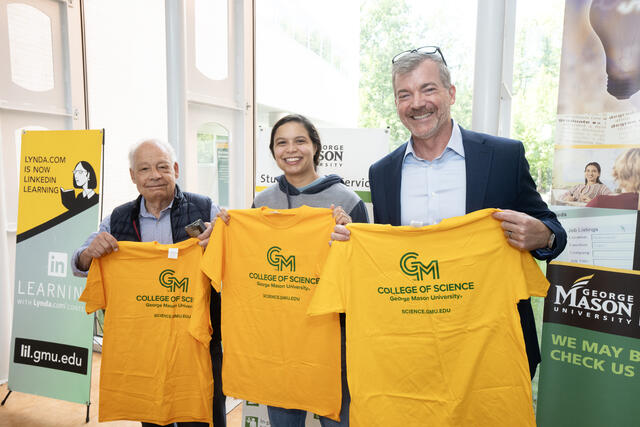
[[497, 177]]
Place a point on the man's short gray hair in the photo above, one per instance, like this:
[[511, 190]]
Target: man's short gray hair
[[164, 145], [412, 60]]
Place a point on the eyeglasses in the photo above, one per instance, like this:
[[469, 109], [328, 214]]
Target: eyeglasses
[[427, 50]]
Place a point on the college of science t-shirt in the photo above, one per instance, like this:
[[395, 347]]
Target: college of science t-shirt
[[153, 368], [267, 263], [433, 331]]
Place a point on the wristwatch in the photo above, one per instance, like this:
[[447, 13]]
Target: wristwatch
[[551, 241]]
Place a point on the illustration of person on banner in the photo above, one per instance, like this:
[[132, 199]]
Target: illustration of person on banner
[[160, 214], [84, 178]]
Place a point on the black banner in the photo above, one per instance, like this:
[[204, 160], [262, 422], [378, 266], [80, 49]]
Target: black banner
[[593, 298], [51, 355]]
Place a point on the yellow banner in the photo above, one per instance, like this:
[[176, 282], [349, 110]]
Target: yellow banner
[[59, 175]]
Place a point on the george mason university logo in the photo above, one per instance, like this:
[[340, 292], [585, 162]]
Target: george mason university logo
[[169, 281], [275, 258], [580, 296], [412, 267]]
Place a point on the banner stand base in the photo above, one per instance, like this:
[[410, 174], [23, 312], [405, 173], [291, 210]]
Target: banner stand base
[[5, 398], [87, 419]]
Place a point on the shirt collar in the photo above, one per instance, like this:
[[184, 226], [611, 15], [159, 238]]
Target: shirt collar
[[454, 144], [145, 213]]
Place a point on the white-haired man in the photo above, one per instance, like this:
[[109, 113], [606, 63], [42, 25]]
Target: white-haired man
[[160, 214]]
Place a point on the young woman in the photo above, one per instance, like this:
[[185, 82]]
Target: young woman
[[626, 172], [295, 146], [591, 188]]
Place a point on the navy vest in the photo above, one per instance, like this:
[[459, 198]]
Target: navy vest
[[186, 208]]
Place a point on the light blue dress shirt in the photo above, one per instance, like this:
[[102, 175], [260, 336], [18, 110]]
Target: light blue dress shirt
[[431, 191], [151, 229]]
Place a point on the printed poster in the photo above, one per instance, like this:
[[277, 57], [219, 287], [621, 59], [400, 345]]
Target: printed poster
[[596, 236], [589, 370], [597, 151], [58, 207]]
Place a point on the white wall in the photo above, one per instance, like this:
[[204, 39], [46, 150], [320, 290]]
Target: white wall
[[6, 285]]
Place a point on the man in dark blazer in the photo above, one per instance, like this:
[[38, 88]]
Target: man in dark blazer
[[445, 171]]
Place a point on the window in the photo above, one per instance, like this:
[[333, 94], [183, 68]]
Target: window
[[307, 61], [335, 68], [213, 162], [30, 47], [536, 71], [212, 44], [127, 83]]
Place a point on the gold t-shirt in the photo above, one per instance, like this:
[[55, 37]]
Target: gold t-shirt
[[267, 265], [433, 331], [156, 365]]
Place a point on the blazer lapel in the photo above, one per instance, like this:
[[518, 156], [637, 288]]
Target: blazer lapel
[[394, 172], [477, 164]]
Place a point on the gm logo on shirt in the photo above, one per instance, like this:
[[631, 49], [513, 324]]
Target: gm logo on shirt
[[275, 258], [169, 281], [414, 268]]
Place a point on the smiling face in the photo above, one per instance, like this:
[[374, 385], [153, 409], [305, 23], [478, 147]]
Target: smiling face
[[154, 174], [293, 151], [423, 102], [591, 174]]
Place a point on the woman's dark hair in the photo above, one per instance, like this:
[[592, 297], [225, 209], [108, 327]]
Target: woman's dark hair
[[93, 182], [597, 166], [311, 130]]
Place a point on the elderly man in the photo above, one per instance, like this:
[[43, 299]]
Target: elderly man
[[159, 214], [445, 171]]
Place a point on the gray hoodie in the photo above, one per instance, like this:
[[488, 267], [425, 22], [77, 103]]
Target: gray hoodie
[[330, 190]]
